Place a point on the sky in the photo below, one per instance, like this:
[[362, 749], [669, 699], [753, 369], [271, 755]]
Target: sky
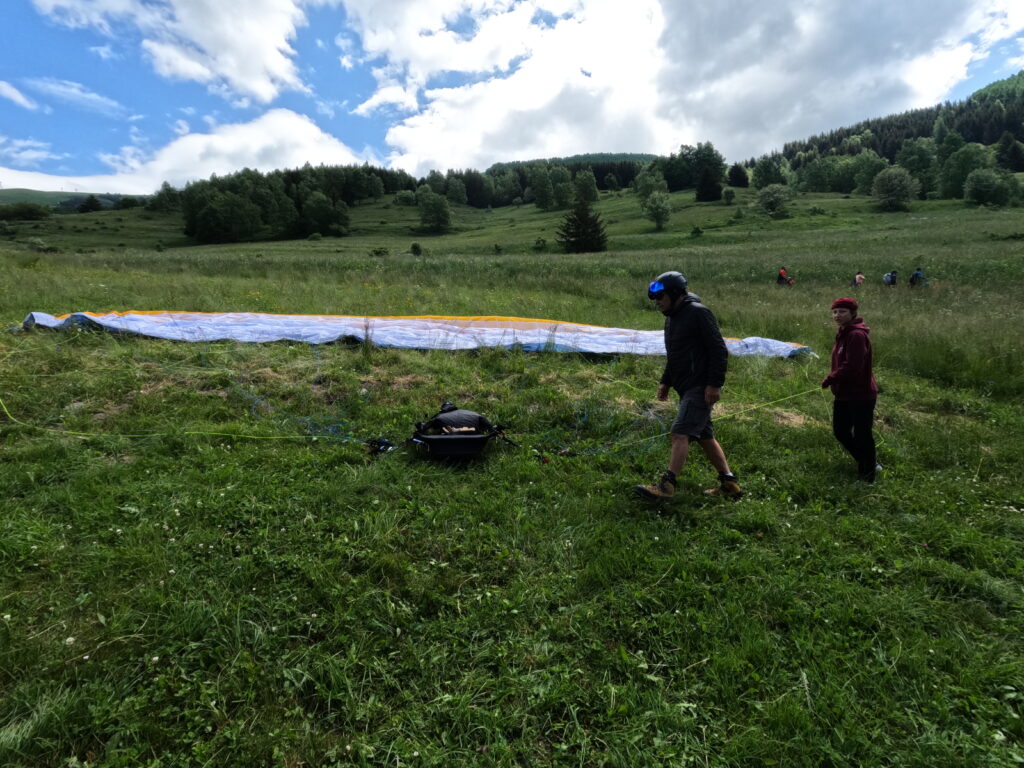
[[122, 95]]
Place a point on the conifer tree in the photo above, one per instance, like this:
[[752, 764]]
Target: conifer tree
[[709, 189], [738, 176], [91, 204], [582, 230]]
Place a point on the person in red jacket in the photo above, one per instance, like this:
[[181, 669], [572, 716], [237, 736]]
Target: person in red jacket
[[854, 388]]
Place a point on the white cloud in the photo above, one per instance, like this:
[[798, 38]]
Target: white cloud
[[583, 84], [393, 94], [751, 76], [932, 75], [25, 153], [176, 62], [8, 91], [105, 52], [181, 127], [534, 78], [77, 95], [279, 138], [747, 75], [247, 49]]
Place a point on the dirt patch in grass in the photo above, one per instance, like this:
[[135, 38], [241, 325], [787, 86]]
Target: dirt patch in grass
[[791, 419]]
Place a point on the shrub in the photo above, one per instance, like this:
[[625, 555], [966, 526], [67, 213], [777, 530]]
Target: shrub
[[773, 200], [729, 195], [893, 188], [125, 203], [435, 213], [696, 231], [379, 250], [657, 207], [986, 186], [416, 249], [315, 236], [540, 245], [24, 212], [497, 249]]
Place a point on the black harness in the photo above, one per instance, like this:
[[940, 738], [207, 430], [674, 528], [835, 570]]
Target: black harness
[[455, 433]]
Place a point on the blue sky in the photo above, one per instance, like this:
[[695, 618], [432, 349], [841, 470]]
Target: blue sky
[[120, 95]]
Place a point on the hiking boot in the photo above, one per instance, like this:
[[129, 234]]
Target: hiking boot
[[662, 490], [727, 488]]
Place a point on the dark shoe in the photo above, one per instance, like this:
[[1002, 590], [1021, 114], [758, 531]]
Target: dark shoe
[[870, 475], [727, 488], [663, 490]]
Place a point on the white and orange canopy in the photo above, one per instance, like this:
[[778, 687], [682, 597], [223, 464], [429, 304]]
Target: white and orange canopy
[[412, 332]]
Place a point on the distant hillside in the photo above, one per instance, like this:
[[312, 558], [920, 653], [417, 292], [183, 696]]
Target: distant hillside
[[983, 117], [62, 202], [8, 196]]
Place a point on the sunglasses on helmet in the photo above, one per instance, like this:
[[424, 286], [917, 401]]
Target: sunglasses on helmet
[[655, 290]]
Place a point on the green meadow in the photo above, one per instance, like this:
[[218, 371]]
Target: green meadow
[[202, 564]]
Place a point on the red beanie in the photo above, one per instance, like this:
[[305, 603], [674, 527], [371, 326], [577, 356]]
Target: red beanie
[[845, 303]]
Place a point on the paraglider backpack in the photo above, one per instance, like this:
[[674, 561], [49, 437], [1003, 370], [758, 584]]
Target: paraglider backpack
[[455, 433]]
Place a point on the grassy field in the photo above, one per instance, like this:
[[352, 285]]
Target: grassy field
[[203, 565]]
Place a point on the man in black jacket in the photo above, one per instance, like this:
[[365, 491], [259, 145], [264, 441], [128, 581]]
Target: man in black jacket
[[695, 365]]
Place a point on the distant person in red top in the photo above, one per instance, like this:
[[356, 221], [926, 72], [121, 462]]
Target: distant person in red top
[[854, 388], [783, 277]]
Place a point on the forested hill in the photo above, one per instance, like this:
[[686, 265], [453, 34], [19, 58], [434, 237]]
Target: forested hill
[[983, 118], [622, 165], [587, 160]]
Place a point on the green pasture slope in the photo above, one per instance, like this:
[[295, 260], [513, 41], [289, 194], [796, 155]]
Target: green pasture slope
[[201, 564], [8, 196]]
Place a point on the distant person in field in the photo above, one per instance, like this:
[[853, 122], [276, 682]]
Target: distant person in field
[[857, 279], [695, 365], [783, 278], [853, 386], [889, 278], [917, 279]]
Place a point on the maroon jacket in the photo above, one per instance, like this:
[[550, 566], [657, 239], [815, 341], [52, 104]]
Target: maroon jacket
[[851, 377]]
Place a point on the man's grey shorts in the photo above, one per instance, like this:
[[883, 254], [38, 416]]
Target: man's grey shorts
[[694, 416]]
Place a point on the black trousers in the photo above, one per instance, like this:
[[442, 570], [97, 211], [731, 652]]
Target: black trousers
[[851, 424]]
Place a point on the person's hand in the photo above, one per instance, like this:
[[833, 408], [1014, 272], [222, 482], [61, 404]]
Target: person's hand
[[663, 392], [825, 383], [712, 395]]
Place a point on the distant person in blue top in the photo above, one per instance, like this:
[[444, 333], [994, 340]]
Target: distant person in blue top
[[917, 280]]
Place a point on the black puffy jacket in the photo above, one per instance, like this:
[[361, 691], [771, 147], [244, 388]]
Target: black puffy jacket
[[696, 355]]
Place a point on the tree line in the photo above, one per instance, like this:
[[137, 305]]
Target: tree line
[[315, 201]]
